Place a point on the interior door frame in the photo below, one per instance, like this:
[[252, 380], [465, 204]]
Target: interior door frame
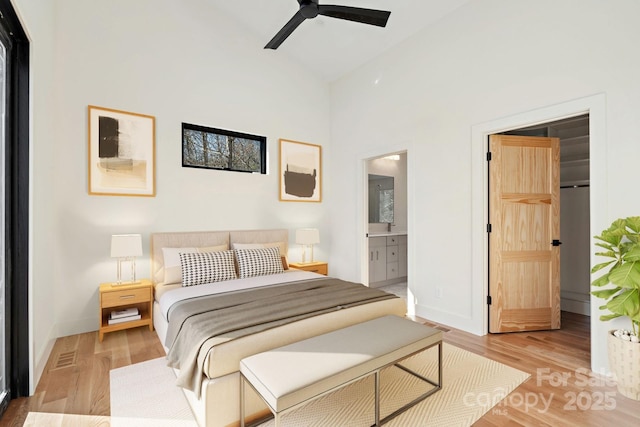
[[595, 106], [363, 209]]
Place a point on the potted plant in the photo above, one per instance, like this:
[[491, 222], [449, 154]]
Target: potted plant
[[621, 242]]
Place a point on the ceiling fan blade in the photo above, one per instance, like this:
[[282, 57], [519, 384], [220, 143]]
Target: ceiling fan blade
[[286, 31], [357, 14]]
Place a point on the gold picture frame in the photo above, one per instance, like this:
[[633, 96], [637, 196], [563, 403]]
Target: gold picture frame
[[121, 153], [300, 171]]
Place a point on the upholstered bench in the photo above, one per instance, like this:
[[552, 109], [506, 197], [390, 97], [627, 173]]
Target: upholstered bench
[[290, 376]]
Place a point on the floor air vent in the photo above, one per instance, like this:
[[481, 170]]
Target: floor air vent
[[65, 360]]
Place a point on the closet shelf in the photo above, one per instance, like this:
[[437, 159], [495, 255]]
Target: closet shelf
[[576, 183], [574, 162]]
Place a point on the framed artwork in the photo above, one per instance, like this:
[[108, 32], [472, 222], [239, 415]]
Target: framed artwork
[[121, 153], [300, 172]]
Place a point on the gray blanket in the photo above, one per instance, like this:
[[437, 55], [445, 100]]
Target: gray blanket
[[196, 325]]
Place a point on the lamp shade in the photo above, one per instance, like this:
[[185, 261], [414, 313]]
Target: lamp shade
[[307, 236], [126, 245]]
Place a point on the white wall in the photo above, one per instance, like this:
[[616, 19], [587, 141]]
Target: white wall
[[488, 60], [178, 61]]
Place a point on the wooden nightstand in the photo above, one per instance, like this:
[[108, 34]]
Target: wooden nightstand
[[320, 267], [115, 297]]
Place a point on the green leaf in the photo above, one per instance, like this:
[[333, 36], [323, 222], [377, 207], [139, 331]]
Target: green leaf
[[633, 222], [626, 275], [626, 247], [607, 246], [609, 254], [633, 238], [613, 239], [606, 293], [618, 225], [599, 267], [601, 281], [627, 303], [633, 254], [606, 317]]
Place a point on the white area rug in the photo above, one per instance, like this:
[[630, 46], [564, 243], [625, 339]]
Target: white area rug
[[41, 419], [144, 394]]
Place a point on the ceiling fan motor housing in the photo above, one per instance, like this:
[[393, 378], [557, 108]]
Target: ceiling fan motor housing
[[308, 8]]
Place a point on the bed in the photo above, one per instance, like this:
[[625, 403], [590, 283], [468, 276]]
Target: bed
[[207, 365]]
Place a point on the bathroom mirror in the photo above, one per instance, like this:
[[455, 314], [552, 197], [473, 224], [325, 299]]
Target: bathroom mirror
[[380, 199]]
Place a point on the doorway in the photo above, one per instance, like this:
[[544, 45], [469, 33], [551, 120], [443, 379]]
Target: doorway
[[387, 222], [574, 277], [574, 207], [595, 106]]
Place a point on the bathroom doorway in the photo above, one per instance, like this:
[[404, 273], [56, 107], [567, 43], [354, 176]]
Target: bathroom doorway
[[387, 229]]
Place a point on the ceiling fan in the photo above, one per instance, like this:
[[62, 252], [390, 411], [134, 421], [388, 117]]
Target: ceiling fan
[[309, 9]]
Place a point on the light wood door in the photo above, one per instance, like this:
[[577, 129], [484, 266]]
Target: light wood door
[[524, 215]]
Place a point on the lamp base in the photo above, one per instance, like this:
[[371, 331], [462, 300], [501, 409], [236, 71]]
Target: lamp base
[[304, 255], [130, 282], [133, 280]]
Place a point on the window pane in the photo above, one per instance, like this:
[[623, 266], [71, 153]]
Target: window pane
[[386, 205], [246, 154], [217, 151]]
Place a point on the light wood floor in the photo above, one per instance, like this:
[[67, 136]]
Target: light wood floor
[[560, 392]]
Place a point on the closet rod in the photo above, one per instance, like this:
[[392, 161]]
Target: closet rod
[[574, 186]]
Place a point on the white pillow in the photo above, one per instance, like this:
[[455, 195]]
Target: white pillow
[[172, 270], [206, 267], [248, 245], [258, 262]]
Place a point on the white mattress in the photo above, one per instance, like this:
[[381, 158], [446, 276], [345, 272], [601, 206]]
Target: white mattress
[[167, 295]]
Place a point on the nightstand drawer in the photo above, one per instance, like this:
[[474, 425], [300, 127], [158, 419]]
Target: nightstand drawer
[[124, 297], [320, 269]]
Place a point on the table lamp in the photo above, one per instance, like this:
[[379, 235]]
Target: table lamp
[[126, 247], [307, 237]]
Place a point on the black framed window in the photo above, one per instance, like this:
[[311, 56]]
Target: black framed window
[[211, 148], [16, 203]]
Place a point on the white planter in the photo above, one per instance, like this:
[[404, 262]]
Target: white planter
[[624, 360]]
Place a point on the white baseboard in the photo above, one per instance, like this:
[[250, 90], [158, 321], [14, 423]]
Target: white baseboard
[[573, 306]]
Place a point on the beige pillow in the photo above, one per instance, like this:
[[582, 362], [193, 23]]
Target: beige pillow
[[172, 267]]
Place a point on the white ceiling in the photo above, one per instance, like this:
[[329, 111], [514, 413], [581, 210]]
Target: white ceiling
[[333, 47]]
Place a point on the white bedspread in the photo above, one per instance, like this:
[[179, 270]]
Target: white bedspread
[[172, 296]]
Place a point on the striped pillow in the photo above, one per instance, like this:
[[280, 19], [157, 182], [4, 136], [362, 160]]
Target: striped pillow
[[206, 267]]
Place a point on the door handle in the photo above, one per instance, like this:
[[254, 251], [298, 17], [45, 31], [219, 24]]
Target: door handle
[[556, 242]]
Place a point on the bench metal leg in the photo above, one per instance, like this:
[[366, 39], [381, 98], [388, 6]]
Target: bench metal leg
[[377, 398], [244, 386], [437, 386], [242, 411]]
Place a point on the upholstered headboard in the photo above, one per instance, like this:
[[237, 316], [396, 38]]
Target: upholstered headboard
[[200, 239]]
